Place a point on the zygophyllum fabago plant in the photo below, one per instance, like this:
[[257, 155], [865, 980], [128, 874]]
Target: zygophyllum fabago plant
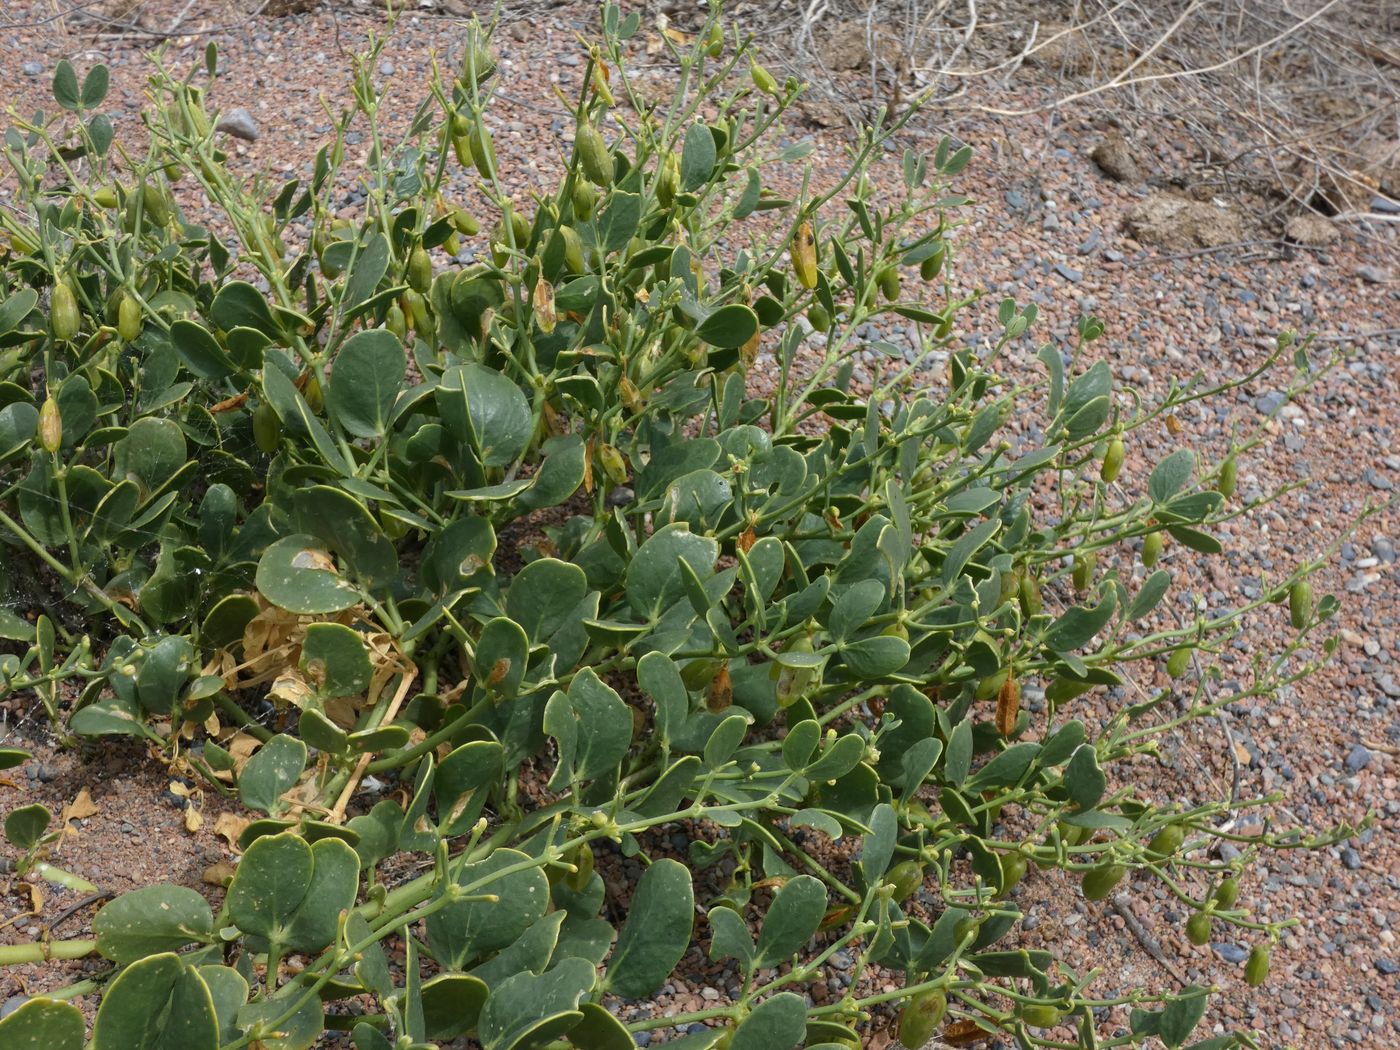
[[536, 543]]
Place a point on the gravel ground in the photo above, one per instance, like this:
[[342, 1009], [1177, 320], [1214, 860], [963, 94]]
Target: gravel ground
[[1048, 226]]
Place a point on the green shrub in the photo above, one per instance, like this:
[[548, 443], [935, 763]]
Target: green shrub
[[590, 547]]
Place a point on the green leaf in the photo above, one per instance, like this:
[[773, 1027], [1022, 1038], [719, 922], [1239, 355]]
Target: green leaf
[[452, 1004], [600, 1030], [13, 756], [654, 580], [854, 608], [111, 716], [151, 920], [484, 409], [272, 770], [151, 452], [501, 655], [365, 381], [529, 1011], [592, 726], [157, 1003], [462, 783], [1077, 626], [875, 657], [297, 574], [43, 1024], [778, 1023], [1195, 539], [229, 992], [25, 825], [239, 305], [293, 410], [697, 157], [1149, 594], [334, 660], [200, 351], [65, 86], [656, 933], [729, 327], [94, 87], [659, 679], [1171, 475], [1083, 778], [335, 880], [543, 595], [730, 937], [618, 222], [791, 922], [464, 930], [368, 269], [1006, 768], [1181, 1016], [269, 885]]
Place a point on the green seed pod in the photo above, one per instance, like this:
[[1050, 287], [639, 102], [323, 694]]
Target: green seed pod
[[154, 204], [1227, 892], [1198, 928], [933, 265], [921, 1016], [267, 428], [585, 200], [1256, 970], [714, 40], [818, 317], [1167, 841], [64, 318], [1300, 604], [1031, 603], [465, 223], [1179, 662], [1152, 545], [762, 79], [1084, 565], [793, 681], [1229, 474], [582, 859], [889, 282], [668, 181], [462, 147], [1038, 1015], [1113, 461], [1013, 870], [483, 151], [420, 270], [520, 229], [594, 158], [50, 426], [574, 260], [395, 321], [415, 308], [906, 877], [613, 463], [804, 255], [128, 318], [1098, 882]]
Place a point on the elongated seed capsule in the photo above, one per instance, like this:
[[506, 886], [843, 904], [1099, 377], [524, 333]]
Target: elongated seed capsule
[[1083, 574], [1167, 840], [921, 1016], [1198, 928], [1229, 474], [1227, 892], [762, 79], [267, 428], [483, 151], [819, 318], [585, 200], [1178, 662], [1113, 461], [420, 270], [128, 318], [1152, 548], [1098, 882], [933, 265], [50, 426], [1300, 604], [804, 255], [64, 318], [889, 282], [1256, 970], [593, 155]]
